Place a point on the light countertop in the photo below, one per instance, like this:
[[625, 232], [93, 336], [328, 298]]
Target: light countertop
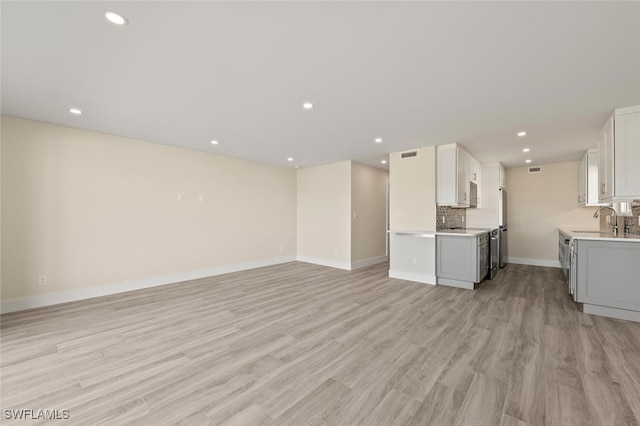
[[594, 234], [464, 232]]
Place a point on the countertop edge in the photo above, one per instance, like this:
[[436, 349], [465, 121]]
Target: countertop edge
[[600, 236], [451, 232]]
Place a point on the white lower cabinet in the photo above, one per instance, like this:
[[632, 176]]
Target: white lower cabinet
[[607, 280]]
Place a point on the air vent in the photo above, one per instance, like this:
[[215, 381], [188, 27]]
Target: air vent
[[535, 169], [409, 154]]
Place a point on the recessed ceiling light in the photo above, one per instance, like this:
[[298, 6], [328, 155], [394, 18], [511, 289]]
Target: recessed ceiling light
[[307, 105], [526, 150], [383, 162], [214, 142], [290, 159], [527, 161], [378, 140], [115, 18], [522, 134], [75, 111]]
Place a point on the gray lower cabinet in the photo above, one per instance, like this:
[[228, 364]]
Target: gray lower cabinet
[[457, 260], [608, 278]]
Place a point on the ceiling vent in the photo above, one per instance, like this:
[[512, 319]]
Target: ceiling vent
[[535, 169], [409, 154]]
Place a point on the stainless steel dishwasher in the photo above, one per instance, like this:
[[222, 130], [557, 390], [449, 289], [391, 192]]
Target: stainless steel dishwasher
[[483, 256]]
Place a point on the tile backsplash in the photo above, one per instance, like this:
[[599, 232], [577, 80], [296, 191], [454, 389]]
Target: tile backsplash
[[453, 218], [634, 228]]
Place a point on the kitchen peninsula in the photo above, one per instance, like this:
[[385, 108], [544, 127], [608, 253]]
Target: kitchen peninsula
[[452, 257], [603, 271]]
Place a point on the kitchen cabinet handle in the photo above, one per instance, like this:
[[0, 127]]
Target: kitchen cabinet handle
[[602, 189]]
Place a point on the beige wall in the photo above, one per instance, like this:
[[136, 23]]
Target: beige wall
[[539, 203], [412, 191], [324, 206], [89, 209], [368, 212]]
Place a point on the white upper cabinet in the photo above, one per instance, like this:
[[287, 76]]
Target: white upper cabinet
[[476, 177], [456, 169], [605, 162], [619, 156], [588, 179], [463, 197], [582, 191]]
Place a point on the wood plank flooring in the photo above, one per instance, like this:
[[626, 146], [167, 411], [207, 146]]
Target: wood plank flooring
[[300, 344]]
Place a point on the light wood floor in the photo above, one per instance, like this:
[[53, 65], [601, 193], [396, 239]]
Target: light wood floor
[[298, 344]]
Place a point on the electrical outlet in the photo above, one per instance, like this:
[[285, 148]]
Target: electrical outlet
[[201, 198], [281, 248], [180, 197], [442, 219], [42, 280]]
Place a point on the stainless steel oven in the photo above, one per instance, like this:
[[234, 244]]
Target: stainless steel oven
[[573, 269], [564, 253]]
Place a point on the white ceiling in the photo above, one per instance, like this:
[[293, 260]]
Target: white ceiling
[[413, 73]]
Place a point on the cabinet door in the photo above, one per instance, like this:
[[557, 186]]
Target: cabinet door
[[478, 182], [582, 181], [463, 178], [475, 170], [607, 273], [447, 176], [503, 177], [456, 257], [605, 163], [627, 156], [591, 183]]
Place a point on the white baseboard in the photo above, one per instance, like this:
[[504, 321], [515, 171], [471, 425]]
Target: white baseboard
[[14, 305], [410, 276], [369, 262], [456, 283], [534, 262], [604, 311], [324, 262]]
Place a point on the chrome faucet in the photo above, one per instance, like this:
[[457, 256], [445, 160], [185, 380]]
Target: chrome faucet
[[615, 218]]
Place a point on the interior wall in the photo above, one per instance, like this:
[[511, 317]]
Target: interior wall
[[368, 212], [412, 193], [324, 207], [537, 205], [89, 209]]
